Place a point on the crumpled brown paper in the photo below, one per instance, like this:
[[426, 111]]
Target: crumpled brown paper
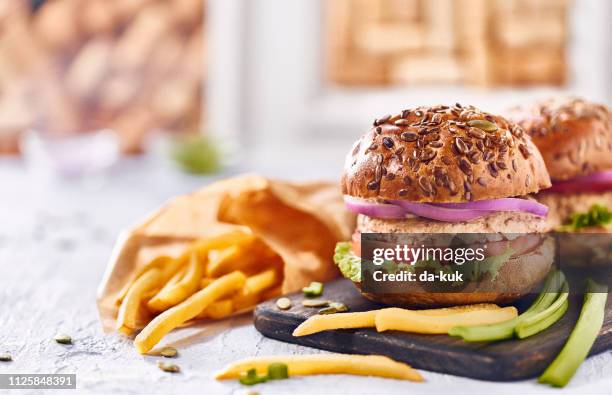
[[301, 222]]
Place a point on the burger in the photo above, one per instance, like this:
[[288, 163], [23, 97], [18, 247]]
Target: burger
[[574, 137], [449, 170]]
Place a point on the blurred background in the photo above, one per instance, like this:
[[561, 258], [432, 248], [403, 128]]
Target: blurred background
[[281, 87]]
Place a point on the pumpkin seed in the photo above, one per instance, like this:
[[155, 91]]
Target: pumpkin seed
[[62, 338], [5, 357], [334, 307], [168, 352], [315, 303], [482, 124], [283, 303], [168, 367]]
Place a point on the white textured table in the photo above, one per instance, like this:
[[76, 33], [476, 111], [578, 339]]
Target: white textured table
[[55, 238]]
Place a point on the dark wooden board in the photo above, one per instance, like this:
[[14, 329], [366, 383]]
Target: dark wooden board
[[498, 361]]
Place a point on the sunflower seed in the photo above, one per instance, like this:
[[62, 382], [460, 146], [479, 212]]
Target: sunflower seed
[[408, 136], [493, 169], [474, 157], [460, 145], [5, 357], [477, 133], [425, 185], [524, 150], [427, 154], [465, 166]]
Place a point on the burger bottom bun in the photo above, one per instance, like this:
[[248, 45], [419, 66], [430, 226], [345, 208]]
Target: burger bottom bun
[[517, 277]]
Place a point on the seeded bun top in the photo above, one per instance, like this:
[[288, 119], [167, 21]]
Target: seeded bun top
[[573, 135], [443, 154]]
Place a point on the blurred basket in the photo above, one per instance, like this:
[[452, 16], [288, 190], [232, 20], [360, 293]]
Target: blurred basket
[[128, 65]]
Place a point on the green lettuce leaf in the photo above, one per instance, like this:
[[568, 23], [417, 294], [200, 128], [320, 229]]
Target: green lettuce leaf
[[348, 263], [597, 215]]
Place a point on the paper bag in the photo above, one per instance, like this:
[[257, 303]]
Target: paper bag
[[301, 222]]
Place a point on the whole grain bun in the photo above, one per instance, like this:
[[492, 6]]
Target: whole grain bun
[[573, 135], [443, 154]]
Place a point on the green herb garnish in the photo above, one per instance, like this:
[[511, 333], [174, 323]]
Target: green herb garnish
[[597, 215], [314, 289], [251, 378], [278, 371]]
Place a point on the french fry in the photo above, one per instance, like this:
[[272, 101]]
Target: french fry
[[174, 279], [219, 258], [206, 281], [125, 330], [159, 262], [222, 241], [303, 365], [128, 312], [366, 319], [458, 309], [244, 299], [219, 309], [186, 310], [325, 322], [412, 321], [262, 281], [181, 290], [247, 257], [254, 287]]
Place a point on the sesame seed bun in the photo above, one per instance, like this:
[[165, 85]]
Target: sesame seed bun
[[443, 154], [573, 135]]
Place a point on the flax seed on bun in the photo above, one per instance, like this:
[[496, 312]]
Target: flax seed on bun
[[573, 135], [443, 154]]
